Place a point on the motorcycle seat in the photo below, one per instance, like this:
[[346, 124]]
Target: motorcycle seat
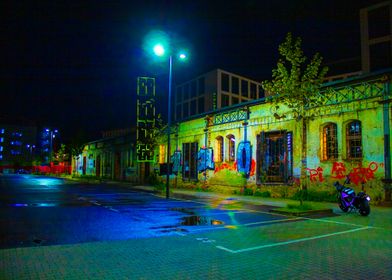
[[348, 191]]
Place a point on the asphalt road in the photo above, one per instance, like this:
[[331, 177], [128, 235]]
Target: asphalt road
[[39, 211], [112, 232]]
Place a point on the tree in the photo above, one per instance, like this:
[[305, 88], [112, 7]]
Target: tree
[[62, 154], [295, 83], [76, 145]]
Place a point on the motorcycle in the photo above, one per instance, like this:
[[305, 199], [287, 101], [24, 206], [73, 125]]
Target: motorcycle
[[349, 201]]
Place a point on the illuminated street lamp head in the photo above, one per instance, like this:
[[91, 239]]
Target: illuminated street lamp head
[[182, 56], [159, 50]]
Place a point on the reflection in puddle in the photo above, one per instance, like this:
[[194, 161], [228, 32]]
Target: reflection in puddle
[[34, 205], [183, 210], [200, 221]]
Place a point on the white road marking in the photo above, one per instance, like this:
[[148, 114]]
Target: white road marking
[[291, 241]]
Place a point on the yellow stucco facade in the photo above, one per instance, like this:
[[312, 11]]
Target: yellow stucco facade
[[347, 135]]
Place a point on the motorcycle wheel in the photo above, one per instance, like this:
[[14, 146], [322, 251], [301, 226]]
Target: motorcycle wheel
[[342, 206], [364, 208]]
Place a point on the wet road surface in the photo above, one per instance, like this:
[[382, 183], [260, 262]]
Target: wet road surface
[[38, 211]]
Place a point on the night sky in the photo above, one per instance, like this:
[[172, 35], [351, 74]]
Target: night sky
[[73, 64]]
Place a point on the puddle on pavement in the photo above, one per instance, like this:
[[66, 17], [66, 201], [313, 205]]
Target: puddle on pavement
[[200, 221]]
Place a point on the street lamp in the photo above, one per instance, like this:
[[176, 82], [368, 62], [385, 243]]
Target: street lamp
[[159, 50]]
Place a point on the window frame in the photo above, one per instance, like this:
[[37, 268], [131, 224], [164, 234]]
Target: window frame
[[352, 138], [330, 145]]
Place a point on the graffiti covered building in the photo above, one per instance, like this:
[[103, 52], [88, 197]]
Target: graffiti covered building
[[112, 157], [260, 143]]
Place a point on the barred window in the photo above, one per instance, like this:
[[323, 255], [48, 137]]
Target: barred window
[[219, 149], [330, 142], [354, 140], [231, 147]]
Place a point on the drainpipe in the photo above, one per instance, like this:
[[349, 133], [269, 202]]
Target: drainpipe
[[387, 148], [245, 124]]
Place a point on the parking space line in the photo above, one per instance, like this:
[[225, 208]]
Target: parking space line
[[291, 241], [272, 221], [335, 222]]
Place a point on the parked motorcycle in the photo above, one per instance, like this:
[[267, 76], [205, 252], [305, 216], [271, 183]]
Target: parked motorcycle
[[349, 201]]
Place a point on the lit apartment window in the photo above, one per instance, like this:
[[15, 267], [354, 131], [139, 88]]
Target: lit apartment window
[[1, 148], [330, 142], [2, 130], [1, 157], [231, 147], [162, 154], [1, 139], [354, 140], [219, 149]]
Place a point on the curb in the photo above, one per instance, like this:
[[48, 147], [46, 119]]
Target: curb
[[303, 213]]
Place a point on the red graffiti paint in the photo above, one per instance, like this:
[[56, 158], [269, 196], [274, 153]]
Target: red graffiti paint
[[252, 167], [363, 174], [225, 165], [233, 167], [338, 170], [316, 174]]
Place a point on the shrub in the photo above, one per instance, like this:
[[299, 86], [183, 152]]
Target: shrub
[[227, 177], [247, 191], [304, 206], [262, 194], [314, 195]]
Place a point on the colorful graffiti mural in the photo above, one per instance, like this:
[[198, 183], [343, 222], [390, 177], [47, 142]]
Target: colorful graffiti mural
[[358, 174], [205, 159], [244, 154], [234, 167]]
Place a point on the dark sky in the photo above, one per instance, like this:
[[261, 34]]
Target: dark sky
[[73, 64]]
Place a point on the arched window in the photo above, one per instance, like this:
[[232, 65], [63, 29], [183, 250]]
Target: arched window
[[219, 149], [330, 142], [354, 140], [231, 147]]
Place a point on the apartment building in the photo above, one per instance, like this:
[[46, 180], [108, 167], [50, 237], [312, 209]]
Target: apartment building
[[213, 90]]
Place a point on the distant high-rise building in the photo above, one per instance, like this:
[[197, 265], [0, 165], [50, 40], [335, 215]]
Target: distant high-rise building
[[376, 36], [17, 145], [213, 90]]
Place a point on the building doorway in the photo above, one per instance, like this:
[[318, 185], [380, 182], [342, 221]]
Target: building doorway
[[274, 157], [98, 166], [189, 171], [117, 166]]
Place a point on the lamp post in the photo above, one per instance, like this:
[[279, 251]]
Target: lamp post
[[159, 50]]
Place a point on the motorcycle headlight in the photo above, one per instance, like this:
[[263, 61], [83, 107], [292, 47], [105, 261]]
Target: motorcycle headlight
[[368, 198]]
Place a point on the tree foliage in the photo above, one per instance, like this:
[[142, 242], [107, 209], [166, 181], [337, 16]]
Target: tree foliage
[[296, 79]]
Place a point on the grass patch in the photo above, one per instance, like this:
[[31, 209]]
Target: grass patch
[[297, 208]]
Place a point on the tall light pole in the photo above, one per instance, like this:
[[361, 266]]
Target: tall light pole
[[159, 50]]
